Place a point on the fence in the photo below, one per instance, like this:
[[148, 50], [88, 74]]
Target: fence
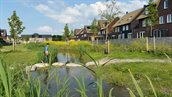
[[162, 40]]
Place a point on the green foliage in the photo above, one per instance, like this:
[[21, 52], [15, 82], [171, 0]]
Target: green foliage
[[35, 46], [56, 38], [6, 78], [136, 85], [16, 27], [152, 13], [94, 28], [82, 89], [26, 38], [66, 33]]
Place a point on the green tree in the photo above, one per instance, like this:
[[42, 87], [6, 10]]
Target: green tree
[[72, 34], [26, 38], [152, 19], [111, 12], [66, 33], [16, 27], [94, 27]]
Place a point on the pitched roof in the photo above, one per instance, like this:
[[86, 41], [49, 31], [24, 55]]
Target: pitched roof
[[102, 24], [76, 31], [128, 18], [142, 16], [157, 2]]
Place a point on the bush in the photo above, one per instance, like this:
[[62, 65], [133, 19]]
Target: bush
[[1, 45], [35, 46]]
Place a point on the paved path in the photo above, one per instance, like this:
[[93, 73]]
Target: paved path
[[108, 61]]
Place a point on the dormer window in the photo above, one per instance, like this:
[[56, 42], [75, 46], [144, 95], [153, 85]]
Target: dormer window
[[146, 11], [165, 4]]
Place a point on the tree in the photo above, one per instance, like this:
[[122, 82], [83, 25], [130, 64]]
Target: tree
[[94, 28], [72, 34], [16, 27], [152, 19], [112, 10], [66, 33], [26, 38]]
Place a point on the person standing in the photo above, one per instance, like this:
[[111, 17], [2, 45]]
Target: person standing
[[46, 53]]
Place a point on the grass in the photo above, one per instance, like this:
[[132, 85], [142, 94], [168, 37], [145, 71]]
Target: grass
[[22, 55], [159, 74]]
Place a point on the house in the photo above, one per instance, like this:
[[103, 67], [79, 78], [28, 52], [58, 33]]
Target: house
[[102, 29], [36, 37], [109, 28], [124, 27], [164, 26], [87, 33], [3, 34], [76, 34]]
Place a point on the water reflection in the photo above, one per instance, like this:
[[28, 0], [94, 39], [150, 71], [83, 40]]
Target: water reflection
[[49, 78]]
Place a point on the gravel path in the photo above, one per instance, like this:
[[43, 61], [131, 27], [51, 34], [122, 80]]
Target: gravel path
[[108, 61]]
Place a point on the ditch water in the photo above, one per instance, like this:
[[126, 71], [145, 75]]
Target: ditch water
[[54, 79]]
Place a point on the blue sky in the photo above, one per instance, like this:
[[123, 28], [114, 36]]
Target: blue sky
[[50, 16]]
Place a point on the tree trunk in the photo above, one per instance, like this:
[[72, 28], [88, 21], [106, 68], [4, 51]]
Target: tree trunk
[[13, 45], [154, 41], [147, 44]]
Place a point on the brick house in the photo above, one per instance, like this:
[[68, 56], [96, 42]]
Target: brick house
[[164, 26], [124, 27]]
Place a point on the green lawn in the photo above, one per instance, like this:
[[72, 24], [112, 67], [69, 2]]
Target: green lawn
[[22, 55], [159, 73]]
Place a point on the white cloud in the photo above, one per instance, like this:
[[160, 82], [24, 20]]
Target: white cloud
[[82, 13], [45, 29], [78, 15], [131, 5]]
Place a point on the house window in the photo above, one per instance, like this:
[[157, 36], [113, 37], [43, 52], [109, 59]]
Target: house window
[[144, 23], [118, 29], [85, 35], [140, 34], [146, 11], [123, 28], [127, 28], [165, 4], [129, 35], [169, 18], [161, 20], [123, 35]]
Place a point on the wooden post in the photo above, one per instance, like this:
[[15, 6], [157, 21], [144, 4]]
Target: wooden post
[[154, 44], [13, 45], [108, 46], [147, 44]]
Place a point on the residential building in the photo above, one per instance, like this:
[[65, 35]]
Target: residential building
[[3, 34], [36, 37], [124, 27], [164, 26], [102, 29], [76, 34]]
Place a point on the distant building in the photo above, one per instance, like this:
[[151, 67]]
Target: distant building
[[3, 34], [36, 37]]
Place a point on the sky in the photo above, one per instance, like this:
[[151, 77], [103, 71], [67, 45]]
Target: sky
[[50, 16]]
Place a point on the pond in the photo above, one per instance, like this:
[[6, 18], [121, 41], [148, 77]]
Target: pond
[[54, 79]]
